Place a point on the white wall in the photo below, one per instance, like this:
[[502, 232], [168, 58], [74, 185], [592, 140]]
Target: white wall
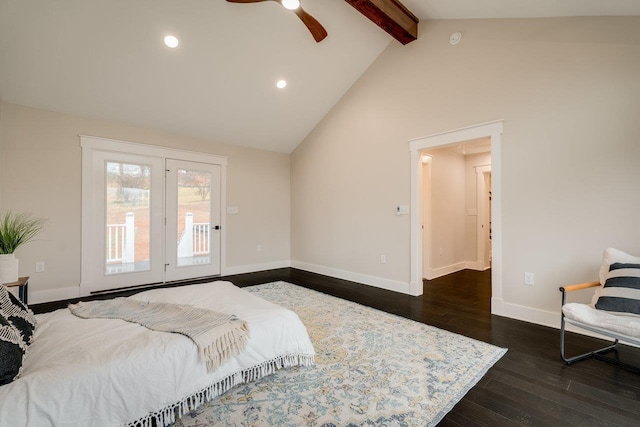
[[447, 212], [40, 172], [1, 155], [569, 93]]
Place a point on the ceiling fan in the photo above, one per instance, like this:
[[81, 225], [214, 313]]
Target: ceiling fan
[[317, 31]]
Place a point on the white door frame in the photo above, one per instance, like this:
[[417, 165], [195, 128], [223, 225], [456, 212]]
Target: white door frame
[[481, 190], [426, 163], [492, 130]]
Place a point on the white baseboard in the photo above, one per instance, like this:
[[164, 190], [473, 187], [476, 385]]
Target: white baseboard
[[251, 268], [378, 282], [475, 265], [528, 314], [434, 273], [498, 306], [58, 294], [539, 317], [416, 288]]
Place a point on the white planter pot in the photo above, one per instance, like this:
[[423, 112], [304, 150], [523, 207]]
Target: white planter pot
[[8, 268]]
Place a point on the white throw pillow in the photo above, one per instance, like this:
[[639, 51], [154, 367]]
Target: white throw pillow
[[611, 256]]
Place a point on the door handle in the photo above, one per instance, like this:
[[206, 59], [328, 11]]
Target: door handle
[[216, 227]]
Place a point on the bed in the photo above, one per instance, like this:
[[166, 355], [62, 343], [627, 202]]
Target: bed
[[109, 372]]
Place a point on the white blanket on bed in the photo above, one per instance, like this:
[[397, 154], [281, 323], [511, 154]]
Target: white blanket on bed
[[217, 335], [106, 372]]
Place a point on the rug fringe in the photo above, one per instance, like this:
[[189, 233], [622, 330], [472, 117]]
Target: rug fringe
[[167, 415]]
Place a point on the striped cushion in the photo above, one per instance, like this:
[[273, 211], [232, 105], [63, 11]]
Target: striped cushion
[[12, 350], [19, 315], [621, 292]]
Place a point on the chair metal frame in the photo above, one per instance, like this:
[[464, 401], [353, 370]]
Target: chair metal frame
[[596, 354]]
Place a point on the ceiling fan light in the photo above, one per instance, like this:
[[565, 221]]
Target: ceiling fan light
[[291, 4]]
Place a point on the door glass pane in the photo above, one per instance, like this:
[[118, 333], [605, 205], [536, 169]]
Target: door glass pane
[[128, 214], [194, 217]]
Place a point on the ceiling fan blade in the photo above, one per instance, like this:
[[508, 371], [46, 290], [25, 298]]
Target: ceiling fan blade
[[248, 1], [317, 30]]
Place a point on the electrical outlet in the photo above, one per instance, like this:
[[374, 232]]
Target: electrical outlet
[[528, 279], [383, 259], [259, 248], [40, 267]]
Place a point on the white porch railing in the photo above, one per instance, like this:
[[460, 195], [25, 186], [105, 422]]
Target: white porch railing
[[121, 241], [201, 238], [195, 238]]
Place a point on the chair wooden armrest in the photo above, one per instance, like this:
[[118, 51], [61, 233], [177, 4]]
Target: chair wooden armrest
[[579, 286]]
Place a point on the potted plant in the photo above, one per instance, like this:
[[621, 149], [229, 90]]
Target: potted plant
[[16, 229]]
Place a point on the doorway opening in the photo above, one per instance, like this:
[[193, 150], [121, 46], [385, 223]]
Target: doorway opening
[[490, 177], [456, 208]]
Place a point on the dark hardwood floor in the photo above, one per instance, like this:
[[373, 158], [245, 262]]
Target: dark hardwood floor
[[529, 386]]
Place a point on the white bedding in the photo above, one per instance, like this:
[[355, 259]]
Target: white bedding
[[105, 372]]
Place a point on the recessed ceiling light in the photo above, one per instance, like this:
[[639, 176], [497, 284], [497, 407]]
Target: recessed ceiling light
[[291, 4], [281, 84], [171, 41]]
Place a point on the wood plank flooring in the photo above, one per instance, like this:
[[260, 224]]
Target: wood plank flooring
[[529, 386]]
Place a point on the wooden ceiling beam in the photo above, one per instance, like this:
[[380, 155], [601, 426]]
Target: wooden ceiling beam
[[390, 15]]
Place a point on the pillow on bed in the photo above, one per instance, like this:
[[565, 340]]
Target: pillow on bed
[[11, 352], [16, 313], [621, 291]]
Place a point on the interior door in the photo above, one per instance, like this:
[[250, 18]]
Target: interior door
[[488, 240], [192, 220]]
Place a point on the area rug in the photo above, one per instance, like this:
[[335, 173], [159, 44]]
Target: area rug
[[372, 369]]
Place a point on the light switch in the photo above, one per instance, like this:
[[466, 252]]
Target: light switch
[[402, 210], [232, 209]]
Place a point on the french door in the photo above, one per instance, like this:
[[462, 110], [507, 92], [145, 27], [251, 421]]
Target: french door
[[148, 219], [193, 220]]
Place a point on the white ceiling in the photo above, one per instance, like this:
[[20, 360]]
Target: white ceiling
[[472, 9], [105, 59]]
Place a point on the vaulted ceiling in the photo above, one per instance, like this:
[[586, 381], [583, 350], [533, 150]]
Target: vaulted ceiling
[[106, 59]]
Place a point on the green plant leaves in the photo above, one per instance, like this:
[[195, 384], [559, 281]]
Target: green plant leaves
[[16, 229]]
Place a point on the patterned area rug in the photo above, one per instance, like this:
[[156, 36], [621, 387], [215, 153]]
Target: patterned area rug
[[372, 369]]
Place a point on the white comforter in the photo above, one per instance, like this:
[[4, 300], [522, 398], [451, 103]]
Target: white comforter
[[102, 372]]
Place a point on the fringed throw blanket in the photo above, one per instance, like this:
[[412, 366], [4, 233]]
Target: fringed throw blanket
[[219, 336]]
